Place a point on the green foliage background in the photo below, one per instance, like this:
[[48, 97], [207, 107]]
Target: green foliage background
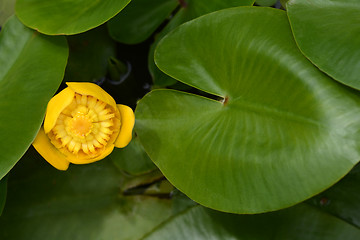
[[247, 119]]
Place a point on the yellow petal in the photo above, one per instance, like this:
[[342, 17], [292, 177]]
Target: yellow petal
[[78, 160], [91, 89], [127, 124], [43, 145], [55, 106]]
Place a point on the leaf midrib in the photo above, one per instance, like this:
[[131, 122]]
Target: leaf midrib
[[261, 109]]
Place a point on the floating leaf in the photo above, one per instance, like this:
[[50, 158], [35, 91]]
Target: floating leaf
[[327, 32], [84, 202], [343, 199], [283, 132], [132, 159], [266, 3], [66, 17], [89, 55], [297, 223], [190, 9], [140, 19], [31, 69]]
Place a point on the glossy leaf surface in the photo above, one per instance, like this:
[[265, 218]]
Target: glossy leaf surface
[[283, 132], [189, 10], [66, 17], [31, 69], [84, 202], [327, 32], [297, 223], [140, 19]]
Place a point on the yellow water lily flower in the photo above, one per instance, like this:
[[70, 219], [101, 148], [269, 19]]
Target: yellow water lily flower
[[83, 124]]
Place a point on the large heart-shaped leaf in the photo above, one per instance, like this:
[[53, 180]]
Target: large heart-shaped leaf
[[84, 202], [327, 32], [283, 132], [189, 9], [31, 69], [297, 223], [66, 17], [140, 19]]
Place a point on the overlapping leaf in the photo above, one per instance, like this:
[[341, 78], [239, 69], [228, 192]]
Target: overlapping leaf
[[327, 32], [283, 132], [342, 200], [337, 217], [132, 159], [84, 202], [31, 69], [190, 9], [66, 17], [89, 55], [140, 19], [297, 223]]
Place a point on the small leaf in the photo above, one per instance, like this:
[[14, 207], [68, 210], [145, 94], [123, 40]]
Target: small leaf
[[297, 223], [31, 69], [66, 17]]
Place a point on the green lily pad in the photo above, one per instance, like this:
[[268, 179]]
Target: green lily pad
[[140, 19], [31, 69], [297, 223], [189, 10], [282, 133], [343, 199], [89, 55], [84, 202], [337, 217], [66, 17], [3, 191], [327, 32], [266, 3], [132, 159]]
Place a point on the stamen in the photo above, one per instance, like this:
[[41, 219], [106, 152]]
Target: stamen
[[91, 102], [84, 100]]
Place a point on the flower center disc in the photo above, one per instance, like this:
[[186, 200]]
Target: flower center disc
[[81, 125], [85, 127]]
